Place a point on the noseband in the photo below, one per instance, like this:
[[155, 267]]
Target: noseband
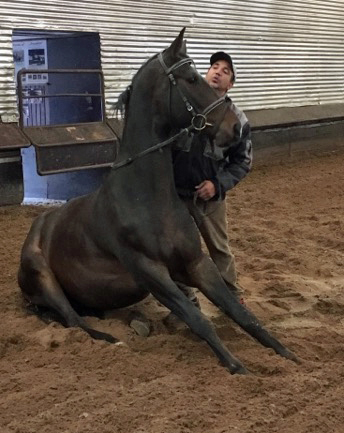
[[198, 121]]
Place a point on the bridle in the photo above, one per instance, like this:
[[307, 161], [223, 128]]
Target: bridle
[[198, 120]]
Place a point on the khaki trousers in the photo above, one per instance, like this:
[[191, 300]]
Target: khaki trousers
[[211, 220]]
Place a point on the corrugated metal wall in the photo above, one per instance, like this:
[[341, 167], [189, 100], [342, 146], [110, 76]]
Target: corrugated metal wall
[[288, 53]]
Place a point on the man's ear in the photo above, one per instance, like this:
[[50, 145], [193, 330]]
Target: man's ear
[[230, 85]]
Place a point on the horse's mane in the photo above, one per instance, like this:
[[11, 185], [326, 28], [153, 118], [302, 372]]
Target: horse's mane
[[122, 104]]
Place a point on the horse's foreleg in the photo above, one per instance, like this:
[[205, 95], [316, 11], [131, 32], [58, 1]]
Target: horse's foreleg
[[207, 279], [156, 277], [40, 287]]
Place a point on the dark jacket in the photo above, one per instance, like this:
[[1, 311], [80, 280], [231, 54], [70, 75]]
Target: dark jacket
[[225, 166]]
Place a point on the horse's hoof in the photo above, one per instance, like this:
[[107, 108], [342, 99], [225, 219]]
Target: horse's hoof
[[110, 339], [98, 335], [142, 328], [238, 369], [140, 324], [290, 355], [295, 359]]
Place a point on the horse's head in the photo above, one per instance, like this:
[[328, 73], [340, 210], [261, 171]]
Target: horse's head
[[188, 100], [168, 94]]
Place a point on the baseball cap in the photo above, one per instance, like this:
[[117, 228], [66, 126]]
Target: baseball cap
[[221, 55]]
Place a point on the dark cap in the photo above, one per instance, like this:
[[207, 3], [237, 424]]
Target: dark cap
[[221, 55]]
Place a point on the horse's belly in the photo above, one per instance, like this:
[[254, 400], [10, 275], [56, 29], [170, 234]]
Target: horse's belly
[[100, 284]]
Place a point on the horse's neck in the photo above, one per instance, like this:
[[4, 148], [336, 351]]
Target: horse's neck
[[139, 132]]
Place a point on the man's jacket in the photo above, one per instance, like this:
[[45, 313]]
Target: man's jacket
[[225, 166]]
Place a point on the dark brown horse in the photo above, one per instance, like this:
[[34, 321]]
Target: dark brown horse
[[133, 236]]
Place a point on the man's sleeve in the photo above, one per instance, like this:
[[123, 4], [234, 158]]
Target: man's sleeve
[[238, 161]]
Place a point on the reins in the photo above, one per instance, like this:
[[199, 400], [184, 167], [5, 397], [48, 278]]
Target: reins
[[152, 149], [197, 117]]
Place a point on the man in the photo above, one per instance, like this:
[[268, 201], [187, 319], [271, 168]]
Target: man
[[202, 177]]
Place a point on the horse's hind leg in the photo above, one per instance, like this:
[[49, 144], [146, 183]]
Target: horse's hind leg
[[207, 279], [40, 287]]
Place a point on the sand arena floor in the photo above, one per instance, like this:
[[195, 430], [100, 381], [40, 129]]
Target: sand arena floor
[[286, 225]]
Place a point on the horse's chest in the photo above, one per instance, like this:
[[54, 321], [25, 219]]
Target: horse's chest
[[155, 237]]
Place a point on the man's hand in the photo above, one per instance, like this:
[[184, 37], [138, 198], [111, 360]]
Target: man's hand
[[206, 190]]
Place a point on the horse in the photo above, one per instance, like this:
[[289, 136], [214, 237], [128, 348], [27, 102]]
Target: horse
[[134, 236]]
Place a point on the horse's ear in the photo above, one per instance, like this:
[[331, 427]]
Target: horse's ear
[[184, 46], [178, 46]]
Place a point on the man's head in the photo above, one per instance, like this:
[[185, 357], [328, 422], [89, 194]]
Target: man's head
[[221, 74]]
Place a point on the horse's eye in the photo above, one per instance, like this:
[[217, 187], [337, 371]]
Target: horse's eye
[[192, 79]]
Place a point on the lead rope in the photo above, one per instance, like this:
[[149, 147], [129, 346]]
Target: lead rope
[[152, 149]]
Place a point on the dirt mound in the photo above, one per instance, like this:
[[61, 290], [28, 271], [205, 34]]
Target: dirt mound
[[286, 227]]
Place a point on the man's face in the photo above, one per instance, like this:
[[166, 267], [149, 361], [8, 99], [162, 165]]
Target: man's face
[[219, 77]]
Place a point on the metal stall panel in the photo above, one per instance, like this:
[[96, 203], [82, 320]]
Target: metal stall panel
[[70, 147], [11, 173], [11, 137], [73, 147], [288, 53], [11, 177]]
